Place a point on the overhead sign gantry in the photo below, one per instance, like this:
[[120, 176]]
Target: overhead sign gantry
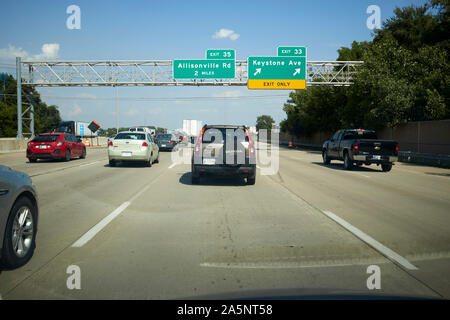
[[288, 70]]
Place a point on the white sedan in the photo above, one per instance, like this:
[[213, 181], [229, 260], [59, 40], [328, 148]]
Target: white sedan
[[133, 146]]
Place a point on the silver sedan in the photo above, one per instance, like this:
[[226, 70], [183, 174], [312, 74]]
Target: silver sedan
[[18, 218], [132, 146]]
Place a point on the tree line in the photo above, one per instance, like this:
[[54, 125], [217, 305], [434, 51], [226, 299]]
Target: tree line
[[405, 77], [46, 118]]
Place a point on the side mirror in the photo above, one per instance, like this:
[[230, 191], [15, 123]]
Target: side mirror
[[78, 140]]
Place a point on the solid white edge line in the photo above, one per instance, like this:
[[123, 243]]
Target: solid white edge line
[[372, 242], [173, 165], [99, 226]]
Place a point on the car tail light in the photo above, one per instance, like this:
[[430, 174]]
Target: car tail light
[[199, 141], [171, 141], [396, 149], [355, 147], [156, 140], [60, 143], [144, 144], [110, 144], [250, 144]]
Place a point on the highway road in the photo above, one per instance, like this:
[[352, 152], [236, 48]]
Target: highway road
[[147, 233]]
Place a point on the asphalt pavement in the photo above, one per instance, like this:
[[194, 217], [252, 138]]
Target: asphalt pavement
[[146, 233]]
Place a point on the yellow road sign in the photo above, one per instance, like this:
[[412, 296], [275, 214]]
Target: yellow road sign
[[276, 84]]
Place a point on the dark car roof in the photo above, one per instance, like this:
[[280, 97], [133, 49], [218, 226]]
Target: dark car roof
[[226, 126]]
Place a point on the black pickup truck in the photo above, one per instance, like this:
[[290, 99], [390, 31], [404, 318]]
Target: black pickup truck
[[359, 146]]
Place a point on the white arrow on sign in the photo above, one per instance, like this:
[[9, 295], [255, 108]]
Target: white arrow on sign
[[258, 70], [297, 71]]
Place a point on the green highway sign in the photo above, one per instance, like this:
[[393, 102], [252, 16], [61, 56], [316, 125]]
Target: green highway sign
[[276, 73], [292, 51], [227, 54], [204, 69], [277, 68]]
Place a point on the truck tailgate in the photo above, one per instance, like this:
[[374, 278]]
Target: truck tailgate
[[377, 147]]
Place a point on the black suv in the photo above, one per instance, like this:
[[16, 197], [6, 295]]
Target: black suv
[[224, 150]]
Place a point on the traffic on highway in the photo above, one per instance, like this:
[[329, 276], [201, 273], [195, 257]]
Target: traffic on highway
[[175, 171]]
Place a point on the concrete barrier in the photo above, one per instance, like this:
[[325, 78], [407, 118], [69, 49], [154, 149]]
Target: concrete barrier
[[12, 145], [98, 142], [8, 145]]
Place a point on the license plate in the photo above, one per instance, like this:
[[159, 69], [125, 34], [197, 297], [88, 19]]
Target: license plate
[[376, 157], [209, 161], [163, 145], [126, 154]]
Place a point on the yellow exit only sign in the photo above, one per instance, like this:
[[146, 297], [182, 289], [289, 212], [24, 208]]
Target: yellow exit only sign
[[276, 84]]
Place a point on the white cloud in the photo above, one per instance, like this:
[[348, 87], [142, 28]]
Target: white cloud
[[226, 33], [11, 53], [75, 110], [49, 51]]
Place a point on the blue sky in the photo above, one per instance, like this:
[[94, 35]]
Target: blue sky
[[130, 30]]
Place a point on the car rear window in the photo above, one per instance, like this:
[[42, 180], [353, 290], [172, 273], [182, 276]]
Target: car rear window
[[218, 135], [131, 136], [46, 138], [164, 136], [360, 135]]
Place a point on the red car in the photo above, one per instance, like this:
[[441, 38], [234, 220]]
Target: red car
[[62, 146]]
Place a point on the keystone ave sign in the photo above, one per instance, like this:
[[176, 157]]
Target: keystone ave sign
[[276, 72]]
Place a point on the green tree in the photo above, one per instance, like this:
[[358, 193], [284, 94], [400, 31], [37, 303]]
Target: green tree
[[405, 77], [46, 118], [264, 122]]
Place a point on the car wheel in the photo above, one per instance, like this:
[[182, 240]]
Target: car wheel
[[67, 156], [325, 158], [83, 154], [386, 167], [348, 164], [20, 234], [251, 180], [112, 163], [32, 160]]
